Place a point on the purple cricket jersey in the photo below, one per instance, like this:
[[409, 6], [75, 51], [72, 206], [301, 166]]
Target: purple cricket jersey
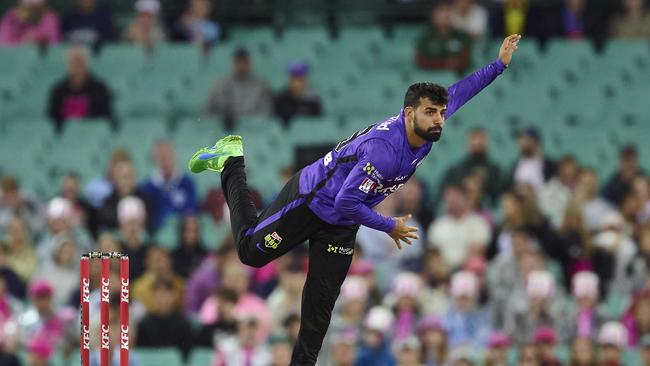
[[374, 162]]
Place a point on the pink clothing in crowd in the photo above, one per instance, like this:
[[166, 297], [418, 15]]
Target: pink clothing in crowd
[[14, 31], [247, 304]]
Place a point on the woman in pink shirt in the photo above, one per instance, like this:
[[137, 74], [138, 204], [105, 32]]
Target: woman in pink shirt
[[31, 21]]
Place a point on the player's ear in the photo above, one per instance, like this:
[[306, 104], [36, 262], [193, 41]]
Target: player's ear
[[408, 112]]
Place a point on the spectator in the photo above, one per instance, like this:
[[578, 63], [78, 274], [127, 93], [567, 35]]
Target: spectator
[[83, 214], [433, 338], [158, 268], [15, 203], [374, 350], [101, 187], [542, 306], [582, 352], [621, 182], [240, 94], [407, 351], [555, 194], [205, 280], [12, 283], [190, 251], [31, 21], [466, 323], [637, 317], [22, 257], [297, 99], [226, 324], [353, 304], [477, 164], [343, 349], [196, 26], [124, 180], [39, 352], [545, 342], [10, 307], [614, 251], [498, 346], [460, 233], [528, 356], [287, 296], [641, 265], [132, 217], [612, 340], [586, 316], [442, 46], [7, 356], [281, 350], [43, 321], [60, 225], [469, 17], [170, 192], [532, 167], [145, 29], [246, 348], [237, 278], [574, 18], [575, 244], [89, 24], [633, 22], [473, 185], [62, 265], [594, 208], [164, 325], [404, 300], [80, 94], [510, 17]]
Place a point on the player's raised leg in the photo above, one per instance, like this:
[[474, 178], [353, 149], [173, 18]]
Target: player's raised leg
[[286, 223], [330, 255]]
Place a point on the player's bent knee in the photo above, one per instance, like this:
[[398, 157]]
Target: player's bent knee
[[256, 261]]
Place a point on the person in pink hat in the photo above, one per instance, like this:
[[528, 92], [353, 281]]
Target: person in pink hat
[[545, 341], [585, 314], [466, 322], [498, 347], [353, 303], [406, 290], [433, 337], [31, 21], [39, 352], [543, 305], [612, 342]]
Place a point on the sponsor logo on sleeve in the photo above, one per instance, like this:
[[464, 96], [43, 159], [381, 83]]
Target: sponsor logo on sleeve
[[367, 185], [272, 240]]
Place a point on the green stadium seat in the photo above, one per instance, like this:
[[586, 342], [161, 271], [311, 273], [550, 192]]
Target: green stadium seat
[[91, 130], [146, 102], [201, 357], [159, 356]]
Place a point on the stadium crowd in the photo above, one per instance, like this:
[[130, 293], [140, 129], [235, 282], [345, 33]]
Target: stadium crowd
[[548, 259]]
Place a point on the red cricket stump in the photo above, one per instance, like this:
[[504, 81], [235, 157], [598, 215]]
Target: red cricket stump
[[105, 341], [124, 311], [84, 291]]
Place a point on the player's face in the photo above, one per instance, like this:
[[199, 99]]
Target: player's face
[[429, 119]]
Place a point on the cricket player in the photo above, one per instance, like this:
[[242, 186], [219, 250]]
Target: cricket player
[[326, 201]]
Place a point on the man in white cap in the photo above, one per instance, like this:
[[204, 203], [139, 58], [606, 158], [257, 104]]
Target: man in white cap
[[145, 29], [585, 313], [131, 216]]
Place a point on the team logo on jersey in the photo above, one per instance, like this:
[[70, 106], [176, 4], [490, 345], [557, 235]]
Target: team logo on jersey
[[367, 185], [272, 240], [371, 171], [339, 250]]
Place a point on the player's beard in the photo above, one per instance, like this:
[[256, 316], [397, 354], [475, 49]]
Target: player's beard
[[432, 134]]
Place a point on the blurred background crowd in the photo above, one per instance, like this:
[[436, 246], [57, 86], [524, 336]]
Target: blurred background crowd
[[533, 210]]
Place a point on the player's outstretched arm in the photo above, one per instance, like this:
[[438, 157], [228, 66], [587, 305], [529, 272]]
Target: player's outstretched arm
[[464, 90]]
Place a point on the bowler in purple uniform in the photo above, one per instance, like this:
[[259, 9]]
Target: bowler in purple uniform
[[326, 201]]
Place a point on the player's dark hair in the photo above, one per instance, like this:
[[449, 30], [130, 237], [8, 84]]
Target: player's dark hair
[[437, 94]]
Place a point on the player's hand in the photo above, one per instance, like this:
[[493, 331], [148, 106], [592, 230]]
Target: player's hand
[[403, 232], [508, 47]]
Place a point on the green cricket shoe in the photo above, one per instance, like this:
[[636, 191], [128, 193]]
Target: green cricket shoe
[[214, 158]]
